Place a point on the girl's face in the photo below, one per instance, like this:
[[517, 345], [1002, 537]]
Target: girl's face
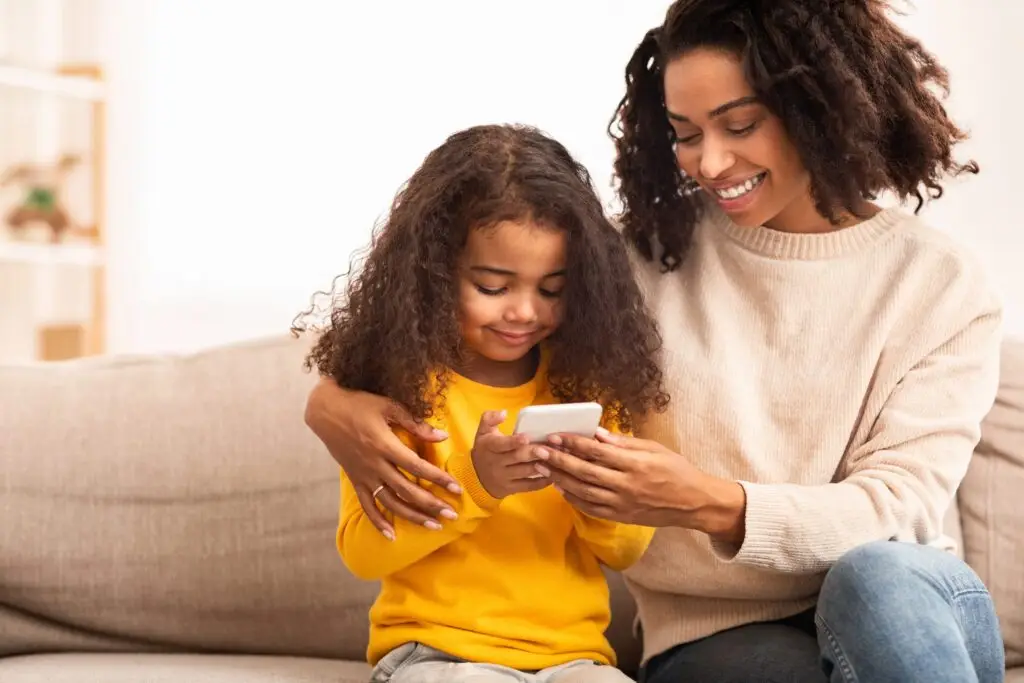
[[733, 146], [511, 278]]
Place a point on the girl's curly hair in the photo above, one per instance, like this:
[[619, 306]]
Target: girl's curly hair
[[854, 92], [398, 324]]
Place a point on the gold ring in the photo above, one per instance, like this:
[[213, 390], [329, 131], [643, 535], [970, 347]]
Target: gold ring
[[376, 491]]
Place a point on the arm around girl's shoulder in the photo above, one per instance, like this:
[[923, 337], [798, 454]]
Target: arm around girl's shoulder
[[371, 555]]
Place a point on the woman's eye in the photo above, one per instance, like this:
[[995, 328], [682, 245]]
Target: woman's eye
[[686, 139], [490, 292], [745, 130], [549, 294]]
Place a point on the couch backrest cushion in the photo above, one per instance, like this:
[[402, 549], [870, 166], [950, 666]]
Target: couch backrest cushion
[[171, 503], [991, 504]]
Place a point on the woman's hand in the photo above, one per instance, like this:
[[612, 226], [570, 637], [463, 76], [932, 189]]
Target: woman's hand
[[637, 481], [356, 428]]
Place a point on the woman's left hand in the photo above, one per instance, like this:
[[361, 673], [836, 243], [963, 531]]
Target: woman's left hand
[[637, 481]]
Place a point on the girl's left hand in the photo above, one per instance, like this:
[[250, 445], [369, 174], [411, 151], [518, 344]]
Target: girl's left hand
[[636, 481]]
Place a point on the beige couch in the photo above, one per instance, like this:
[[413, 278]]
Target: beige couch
[[171, 520]]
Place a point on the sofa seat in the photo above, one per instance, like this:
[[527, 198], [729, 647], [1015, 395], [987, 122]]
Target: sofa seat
[[175, 668]]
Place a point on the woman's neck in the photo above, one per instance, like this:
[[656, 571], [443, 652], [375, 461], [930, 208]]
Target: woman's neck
[[495, 373], [802, 217]]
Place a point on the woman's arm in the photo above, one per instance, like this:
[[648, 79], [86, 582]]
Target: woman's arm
[[896, 486], [899, 484], [371, 555], [492, 470], [357, 429]]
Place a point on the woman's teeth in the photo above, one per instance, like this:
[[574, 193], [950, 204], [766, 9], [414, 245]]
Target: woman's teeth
[[737, 191]]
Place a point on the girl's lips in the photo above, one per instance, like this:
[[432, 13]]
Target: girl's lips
[[514, 338]]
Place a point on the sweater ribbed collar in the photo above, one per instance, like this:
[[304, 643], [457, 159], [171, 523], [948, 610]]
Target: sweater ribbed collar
[[807, 247]]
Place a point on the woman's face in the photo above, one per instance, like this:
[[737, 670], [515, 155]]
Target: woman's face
[[732, 145]]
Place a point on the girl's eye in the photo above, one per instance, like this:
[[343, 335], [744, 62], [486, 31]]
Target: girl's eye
[[490, 292], [548, 294]]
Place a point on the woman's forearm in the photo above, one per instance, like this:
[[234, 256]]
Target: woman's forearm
[[720, 512], [323, 394]]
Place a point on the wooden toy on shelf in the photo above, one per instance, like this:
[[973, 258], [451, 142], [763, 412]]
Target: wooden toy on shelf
[[42, 189]]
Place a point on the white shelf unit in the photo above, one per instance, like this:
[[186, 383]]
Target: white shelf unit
[[77, 87], [29, 254], [52, 102]]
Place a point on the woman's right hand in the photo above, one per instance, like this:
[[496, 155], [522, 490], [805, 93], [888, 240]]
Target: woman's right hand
[[356, 428]]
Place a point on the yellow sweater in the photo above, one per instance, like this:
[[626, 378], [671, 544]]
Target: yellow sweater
[[515, 582]]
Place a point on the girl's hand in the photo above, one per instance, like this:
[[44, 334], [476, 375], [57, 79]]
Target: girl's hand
[[637, 481], [356, 428], [505, 464]]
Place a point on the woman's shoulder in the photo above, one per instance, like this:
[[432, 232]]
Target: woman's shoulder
[[938, 285], [940, 257], [923, 239]]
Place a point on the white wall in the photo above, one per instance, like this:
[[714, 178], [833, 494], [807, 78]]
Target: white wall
[[253, 149]]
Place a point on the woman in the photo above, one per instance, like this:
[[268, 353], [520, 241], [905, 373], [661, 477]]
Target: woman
[[829, 361]]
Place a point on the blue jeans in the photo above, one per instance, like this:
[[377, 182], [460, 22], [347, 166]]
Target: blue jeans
[[887, 613]]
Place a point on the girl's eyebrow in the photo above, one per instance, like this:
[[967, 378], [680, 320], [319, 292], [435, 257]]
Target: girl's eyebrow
[[503, 271], [492, 271]]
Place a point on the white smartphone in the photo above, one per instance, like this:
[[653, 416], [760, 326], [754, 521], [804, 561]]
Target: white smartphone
[[539, 422]]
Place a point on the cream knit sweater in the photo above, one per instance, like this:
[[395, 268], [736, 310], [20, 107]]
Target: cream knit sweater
[[840, 377]]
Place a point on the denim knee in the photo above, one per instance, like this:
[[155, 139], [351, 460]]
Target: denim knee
[[881, 571], [891, 611]]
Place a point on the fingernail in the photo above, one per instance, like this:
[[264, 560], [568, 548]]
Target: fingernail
[[431, 524], [449, 514], [390, 535], [541, 453], [601, 431], [440, 434], [454, 488], [555, 439], [542, 471]]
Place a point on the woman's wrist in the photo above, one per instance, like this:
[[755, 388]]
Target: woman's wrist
[[720, 512]]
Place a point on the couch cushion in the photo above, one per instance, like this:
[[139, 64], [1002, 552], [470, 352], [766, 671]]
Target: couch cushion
[[621, 632], [120, 668], [954, 529], [990, 503], [171, 503]]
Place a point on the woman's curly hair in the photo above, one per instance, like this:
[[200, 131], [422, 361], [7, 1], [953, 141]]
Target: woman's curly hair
[[399, 323], [853, 91]]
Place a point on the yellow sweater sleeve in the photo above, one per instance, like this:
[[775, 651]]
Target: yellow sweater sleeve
[[371, 556], [615, 544]]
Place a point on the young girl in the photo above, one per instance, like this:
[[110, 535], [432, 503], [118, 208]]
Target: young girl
[[496, 283]]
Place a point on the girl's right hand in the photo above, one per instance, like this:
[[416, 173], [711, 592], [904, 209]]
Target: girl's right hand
[[356, 428], [505, 465]]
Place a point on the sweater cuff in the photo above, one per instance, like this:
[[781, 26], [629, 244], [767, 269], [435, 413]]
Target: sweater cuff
[[461, 467], [766, 522]]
